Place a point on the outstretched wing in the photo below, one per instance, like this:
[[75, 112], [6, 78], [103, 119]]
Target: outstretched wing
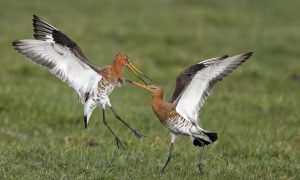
[[63, 57], [185, 77], [46, 32], [194, 84]]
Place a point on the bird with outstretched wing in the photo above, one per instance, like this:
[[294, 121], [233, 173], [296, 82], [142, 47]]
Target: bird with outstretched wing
[[55, 51], [193, 85]]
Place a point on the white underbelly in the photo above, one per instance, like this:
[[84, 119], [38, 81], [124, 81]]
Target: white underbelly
[[100, 95], [179, 125], [103, 95]]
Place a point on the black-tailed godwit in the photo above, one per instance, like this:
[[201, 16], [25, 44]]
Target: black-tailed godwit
[[54, 50], [193, 85]]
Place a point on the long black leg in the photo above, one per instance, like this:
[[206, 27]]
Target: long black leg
[[85, 121], [138, 135], [169, 158], [118, 141]]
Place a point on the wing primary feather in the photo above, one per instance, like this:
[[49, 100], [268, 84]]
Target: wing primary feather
[[46, 32], [62, 56], [185, 77], [63, 40]]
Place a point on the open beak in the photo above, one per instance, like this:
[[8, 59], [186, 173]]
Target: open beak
[[138, 73]]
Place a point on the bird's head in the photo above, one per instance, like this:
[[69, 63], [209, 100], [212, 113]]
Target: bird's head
[[123, 60], [156, 91]]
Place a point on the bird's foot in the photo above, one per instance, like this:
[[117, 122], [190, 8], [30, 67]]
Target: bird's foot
[[138, 135], [162, 172], [119, 144], [201, 167]]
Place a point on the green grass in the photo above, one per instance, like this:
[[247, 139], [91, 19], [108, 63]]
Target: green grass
[[256, 110]]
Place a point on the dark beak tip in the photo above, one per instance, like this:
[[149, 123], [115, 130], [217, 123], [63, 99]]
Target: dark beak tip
[[144, 81]]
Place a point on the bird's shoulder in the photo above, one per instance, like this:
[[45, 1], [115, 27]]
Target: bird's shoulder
[[167, 110], [170, 108], [105, 71]]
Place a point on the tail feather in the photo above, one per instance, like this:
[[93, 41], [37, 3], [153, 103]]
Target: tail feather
[[212, 136], [198, 141]]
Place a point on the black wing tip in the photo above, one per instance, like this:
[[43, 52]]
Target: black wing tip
[[224, 56], [35, 17], [16, 43], [247, 55], [41, 28]]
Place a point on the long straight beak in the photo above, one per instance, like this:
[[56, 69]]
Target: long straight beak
[[138, 73], [139, 85]]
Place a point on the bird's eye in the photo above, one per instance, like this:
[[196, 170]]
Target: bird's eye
[[126, 57]]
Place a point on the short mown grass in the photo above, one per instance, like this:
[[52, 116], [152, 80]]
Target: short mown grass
[[256, 110]]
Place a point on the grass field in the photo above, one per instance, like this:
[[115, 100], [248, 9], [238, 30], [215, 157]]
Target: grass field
[[256, 110]]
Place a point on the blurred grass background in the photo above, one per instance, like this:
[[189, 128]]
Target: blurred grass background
[[256, 110]]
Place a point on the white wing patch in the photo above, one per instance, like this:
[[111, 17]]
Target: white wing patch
[[200, 86], [61, 62]]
